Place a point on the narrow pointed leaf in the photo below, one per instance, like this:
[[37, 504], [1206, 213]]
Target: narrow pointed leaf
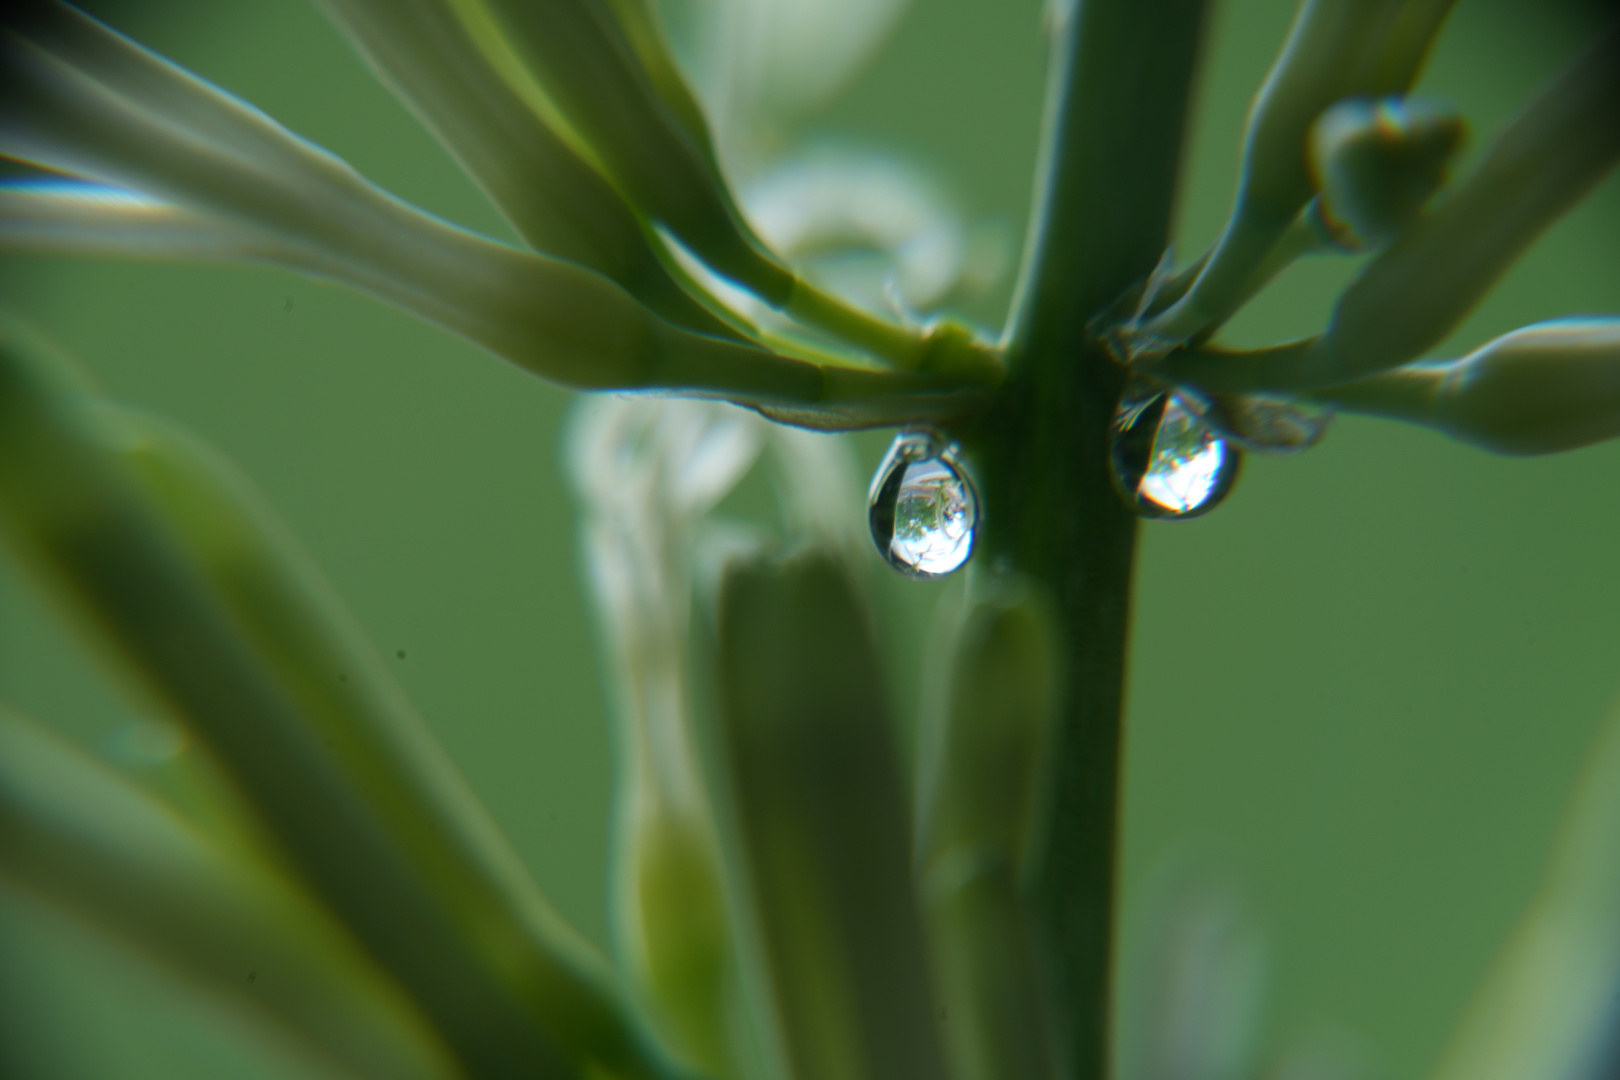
[[555, 200]]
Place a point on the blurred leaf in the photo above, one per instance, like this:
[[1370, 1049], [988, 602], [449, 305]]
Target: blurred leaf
[[648, 471], [175, 571], [1550, 1005], [1193, 1005], [986, 739], [758, 63], [818, 804], [650, 474], [79, 836], [555, 200]]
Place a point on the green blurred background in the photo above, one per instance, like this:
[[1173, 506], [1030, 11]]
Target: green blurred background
[[1362, 688]]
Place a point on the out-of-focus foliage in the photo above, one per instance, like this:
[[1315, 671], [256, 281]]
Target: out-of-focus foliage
[[1307, 718]]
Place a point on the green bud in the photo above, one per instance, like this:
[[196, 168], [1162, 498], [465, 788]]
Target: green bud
[[1336, 49], [674, 933], [1541, 390], [1378, 162], [1415, 292]]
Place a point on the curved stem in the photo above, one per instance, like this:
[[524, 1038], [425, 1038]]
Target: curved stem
[[1120, 82]]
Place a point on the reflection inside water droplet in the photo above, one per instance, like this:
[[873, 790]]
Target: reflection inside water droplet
[[1167, 463], [922, 508]]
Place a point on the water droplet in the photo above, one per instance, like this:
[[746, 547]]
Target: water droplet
[[1167, 463], [922, 507]]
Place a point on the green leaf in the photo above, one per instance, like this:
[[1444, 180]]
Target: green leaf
[[175, 571], [987, 741], [556, 201], [1547, 1006], [818, 804], [78, 835]]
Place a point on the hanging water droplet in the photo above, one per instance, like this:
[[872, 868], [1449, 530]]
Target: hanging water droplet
[[922, 507], [1167, 463]]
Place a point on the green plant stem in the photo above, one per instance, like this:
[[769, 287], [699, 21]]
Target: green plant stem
[[1121, 78]]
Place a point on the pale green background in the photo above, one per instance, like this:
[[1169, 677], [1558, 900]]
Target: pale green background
[[1362, 687]]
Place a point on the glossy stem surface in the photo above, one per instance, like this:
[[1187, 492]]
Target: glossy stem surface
[[1122, 72]]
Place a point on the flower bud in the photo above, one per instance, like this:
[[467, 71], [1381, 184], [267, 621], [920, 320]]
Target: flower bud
[[1546, 388], [1378, 161]]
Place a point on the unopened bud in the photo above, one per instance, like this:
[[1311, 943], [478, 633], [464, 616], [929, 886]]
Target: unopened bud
[[1549, 387], [1378, 161]]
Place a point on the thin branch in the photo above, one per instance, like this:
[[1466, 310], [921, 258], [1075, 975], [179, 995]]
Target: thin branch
[[1413, 294], [1335, 49]]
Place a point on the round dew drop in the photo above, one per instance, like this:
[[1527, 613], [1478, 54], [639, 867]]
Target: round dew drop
[[922, 507], [1166, 462]]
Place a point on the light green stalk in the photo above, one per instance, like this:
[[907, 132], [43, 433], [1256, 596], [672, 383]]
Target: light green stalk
[[575, 65], [556, 201], [251, 190]]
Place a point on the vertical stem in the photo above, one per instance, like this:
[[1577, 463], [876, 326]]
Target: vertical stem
[[1115, 116]]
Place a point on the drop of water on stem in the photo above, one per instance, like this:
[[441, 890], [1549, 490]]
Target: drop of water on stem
[[922, 508], [1167, 463]]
